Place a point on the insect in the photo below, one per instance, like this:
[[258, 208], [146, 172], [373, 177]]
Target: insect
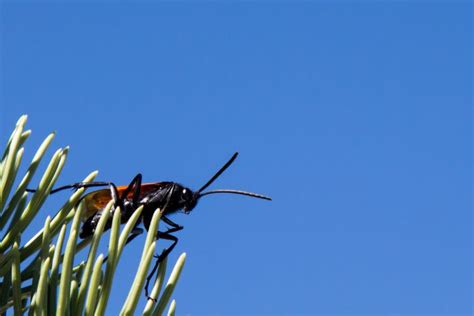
[[169, 197]]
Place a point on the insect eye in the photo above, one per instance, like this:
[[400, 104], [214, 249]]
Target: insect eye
[[186, 194]]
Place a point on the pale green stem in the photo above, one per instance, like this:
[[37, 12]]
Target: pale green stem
[[110, 269], [90, 258], [42, 290], [53, 294], [137, 286], [93, 292], [170, 285], [65, 282], [172, 309], [9, 162], [16, 279]]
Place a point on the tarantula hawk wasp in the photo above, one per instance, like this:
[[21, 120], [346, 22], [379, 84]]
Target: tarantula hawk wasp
[[169, 197]]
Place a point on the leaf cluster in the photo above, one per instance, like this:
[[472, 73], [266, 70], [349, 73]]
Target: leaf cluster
[[41, 276]]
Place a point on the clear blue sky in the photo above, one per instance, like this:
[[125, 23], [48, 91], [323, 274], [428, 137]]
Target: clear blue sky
[[355, 117]]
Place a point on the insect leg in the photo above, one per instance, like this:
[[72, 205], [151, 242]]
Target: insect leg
[[134, 234], [166, 236], [170, 222], [134, 185], [130, 205], [115, 195], [138, 189], [76, 186]]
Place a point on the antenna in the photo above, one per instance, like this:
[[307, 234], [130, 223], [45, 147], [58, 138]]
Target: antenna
[[255, 195], [218, 173]]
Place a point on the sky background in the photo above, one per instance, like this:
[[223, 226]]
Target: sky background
[[355, 117]]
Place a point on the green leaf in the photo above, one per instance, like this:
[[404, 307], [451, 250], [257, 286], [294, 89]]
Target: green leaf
[[65, 281], [173, 279]]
